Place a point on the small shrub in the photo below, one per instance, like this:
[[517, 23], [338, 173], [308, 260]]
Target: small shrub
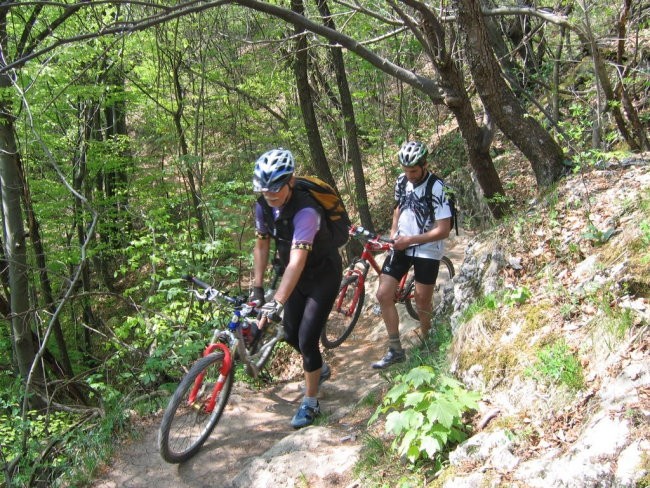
[[596, 236], [556, 364], [425, 413], [517, 296]]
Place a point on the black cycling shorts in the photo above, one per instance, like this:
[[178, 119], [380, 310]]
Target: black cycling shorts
[[398, 263]]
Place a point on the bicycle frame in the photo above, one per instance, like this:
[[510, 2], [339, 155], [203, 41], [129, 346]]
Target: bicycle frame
[[367, 260]]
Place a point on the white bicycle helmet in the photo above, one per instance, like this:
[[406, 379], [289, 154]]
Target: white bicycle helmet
[[412, 153], [273, 169]]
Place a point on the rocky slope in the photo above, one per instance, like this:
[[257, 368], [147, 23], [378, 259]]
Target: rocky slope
[[573, 278]]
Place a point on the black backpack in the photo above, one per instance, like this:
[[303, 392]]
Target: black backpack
[[428, 192]]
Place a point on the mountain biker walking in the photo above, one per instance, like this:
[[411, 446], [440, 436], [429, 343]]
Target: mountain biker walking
[[420, 224], [312, 267]]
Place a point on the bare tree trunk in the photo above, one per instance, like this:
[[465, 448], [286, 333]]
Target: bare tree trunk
[[350, 124], [555, 83], [14, 233], [543, 152], [184, 148], [46, 287], [87, 133], [300, 65], [604, 83], [620, 92], [477, 139]]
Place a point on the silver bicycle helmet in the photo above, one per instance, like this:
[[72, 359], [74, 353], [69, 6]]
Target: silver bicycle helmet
[[273, 169], [412, 153]]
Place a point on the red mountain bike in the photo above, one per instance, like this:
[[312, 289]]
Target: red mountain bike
[[349, 303]]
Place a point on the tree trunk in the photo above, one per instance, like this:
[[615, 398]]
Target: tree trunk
[[300, 64], [88, 132], [183, 146], [350, 124], [477, 142], [543, 152], [14, 232], [477, 139], [46, 287]]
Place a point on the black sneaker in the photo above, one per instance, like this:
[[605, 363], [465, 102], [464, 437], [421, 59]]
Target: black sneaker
[[391, 357]]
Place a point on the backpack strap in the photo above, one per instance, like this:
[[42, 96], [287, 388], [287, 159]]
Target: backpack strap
[[428, 192], [401, 189], [450, 199]]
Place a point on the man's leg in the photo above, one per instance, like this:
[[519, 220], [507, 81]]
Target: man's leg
[[386, 298], [424, 304]]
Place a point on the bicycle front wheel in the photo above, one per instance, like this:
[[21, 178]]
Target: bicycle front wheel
[[345, 312], [445, 274], [189, 418]]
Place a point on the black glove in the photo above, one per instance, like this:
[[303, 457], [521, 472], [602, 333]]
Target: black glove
[[272, 311], [258, 295]]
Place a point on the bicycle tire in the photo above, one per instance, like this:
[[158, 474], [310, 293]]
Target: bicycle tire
[[341, 322], [185, 428], [445, 273]]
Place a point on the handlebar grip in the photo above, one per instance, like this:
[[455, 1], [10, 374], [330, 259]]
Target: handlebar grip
[[358, 230], [197, 282]]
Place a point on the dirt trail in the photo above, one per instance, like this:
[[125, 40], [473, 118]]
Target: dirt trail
[[254, 421]]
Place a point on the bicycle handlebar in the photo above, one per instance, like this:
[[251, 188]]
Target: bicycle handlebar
[[357, 231], [212, 293]]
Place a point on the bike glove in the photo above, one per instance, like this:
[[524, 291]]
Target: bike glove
[[272, 310], [258, 295]]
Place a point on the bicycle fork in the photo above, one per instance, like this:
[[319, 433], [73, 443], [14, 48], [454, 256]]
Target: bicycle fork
[[218, 386]]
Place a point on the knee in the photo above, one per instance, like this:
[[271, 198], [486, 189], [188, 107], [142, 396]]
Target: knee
[[384, 295]]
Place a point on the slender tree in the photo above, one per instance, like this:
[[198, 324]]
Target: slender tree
[[543, 152], [300, 69], [350, 131]]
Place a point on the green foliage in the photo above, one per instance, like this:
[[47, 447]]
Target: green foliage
[[556, 364], [486, 302], [26, 437], [518, 296], [498, 198], [597, 236], [425, 413], [492, 301]]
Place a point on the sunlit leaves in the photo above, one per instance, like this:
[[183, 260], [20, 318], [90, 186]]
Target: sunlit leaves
[[425, 412]]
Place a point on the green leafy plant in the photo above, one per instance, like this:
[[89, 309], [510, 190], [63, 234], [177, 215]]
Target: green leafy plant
[[425, 413], [487, 302], [597, 236], [519, 296], [556, 364]]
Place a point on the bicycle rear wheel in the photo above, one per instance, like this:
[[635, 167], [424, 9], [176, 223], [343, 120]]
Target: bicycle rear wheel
[[186, 426], [345, 312], [445, 273]]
